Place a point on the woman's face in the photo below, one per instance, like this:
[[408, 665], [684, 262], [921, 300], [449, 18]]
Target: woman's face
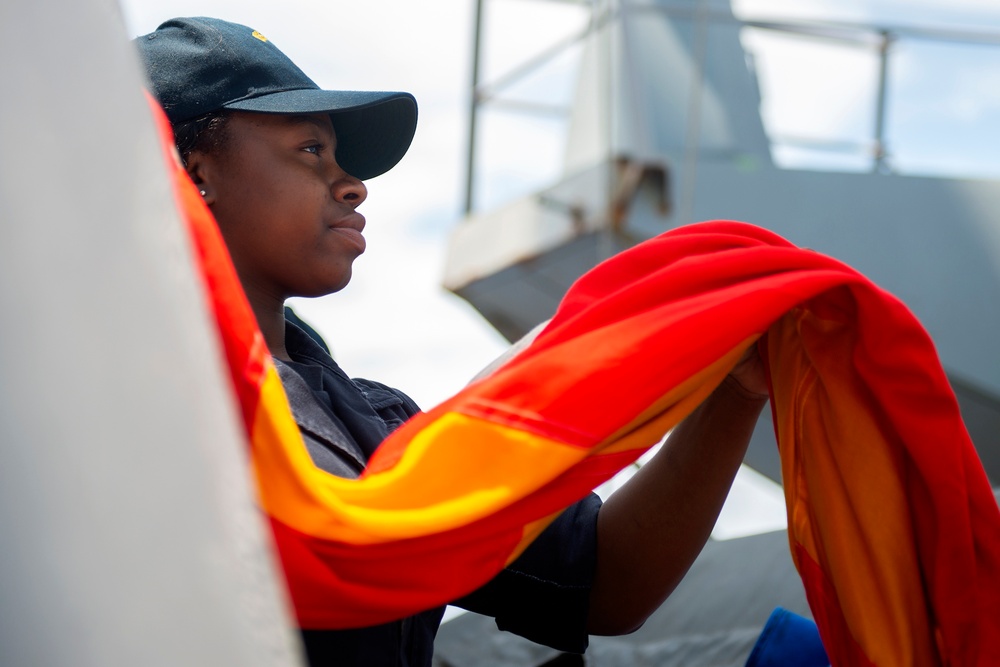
[[285, 207]]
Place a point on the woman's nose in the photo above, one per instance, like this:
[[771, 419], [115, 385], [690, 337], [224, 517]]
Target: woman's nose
[[350, 190]]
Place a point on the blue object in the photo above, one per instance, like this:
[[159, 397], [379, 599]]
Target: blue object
[[788, 640]]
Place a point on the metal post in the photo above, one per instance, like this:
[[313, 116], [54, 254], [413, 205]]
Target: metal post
[[473, 107], [880, 165]]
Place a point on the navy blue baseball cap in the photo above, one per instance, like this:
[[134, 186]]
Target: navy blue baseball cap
[[199, 65]]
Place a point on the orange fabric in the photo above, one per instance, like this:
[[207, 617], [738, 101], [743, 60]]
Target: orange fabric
[[892, 523]]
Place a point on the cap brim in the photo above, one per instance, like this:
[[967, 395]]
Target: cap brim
[[374, 129]]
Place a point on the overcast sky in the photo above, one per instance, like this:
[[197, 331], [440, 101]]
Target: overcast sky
[[394, 323]]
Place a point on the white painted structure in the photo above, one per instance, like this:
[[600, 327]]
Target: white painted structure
[[130, 536], [665, 130]]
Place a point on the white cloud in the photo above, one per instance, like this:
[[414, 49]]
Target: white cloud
[[814, 88]]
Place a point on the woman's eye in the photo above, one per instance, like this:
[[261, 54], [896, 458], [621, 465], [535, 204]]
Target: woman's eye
[[315, 149]]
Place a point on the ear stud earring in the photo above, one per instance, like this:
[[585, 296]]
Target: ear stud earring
[[202, 193]]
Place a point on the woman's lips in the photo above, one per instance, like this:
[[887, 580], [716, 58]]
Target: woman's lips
[[351, 228]]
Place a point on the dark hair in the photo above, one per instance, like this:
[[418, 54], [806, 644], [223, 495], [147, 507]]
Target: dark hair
[[206, 133]]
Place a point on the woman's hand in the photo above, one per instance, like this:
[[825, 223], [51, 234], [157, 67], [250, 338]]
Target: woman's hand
[[748, 376]]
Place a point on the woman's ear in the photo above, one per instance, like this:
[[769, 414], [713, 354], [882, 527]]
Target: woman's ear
[[198, 171]]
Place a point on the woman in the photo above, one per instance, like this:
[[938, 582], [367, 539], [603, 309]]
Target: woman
[[282, 163]]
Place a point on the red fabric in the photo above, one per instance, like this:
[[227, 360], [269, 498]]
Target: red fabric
[[892, 522]]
